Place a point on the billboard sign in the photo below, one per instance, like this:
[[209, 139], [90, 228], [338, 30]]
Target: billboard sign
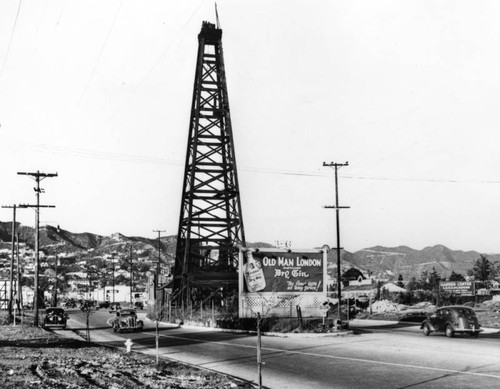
[[283, 271], [461, 288]]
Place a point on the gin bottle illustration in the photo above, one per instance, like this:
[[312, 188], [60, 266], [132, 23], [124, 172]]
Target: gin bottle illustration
[[254, 275]]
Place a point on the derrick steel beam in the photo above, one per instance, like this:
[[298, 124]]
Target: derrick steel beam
[[210, 222]]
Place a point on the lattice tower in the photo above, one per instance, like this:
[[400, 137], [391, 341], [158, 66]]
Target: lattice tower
[[210, 223]]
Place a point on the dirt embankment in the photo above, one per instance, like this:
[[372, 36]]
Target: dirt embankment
[[33, 358]]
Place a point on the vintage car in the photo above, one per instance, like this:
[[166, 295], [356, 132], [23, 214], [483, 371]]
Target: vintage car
[[452, 320], [55, 317], [103, 304], [126, 320], [139, 305], [114, 307], [88, 305]]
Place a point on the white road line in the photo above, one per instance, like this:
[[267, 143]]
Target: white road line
[[336, 357]]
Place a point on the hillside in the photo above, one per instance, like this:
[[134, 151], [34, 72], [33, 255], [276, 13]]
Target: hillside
[[54, 240], [381, 262], [408, 262]]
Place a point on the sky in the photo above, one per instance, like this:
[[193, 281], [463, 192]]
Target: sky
[[406, 91]]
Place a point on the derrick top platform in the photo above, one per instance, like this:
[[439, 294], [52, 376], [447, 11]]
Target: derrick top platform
[[209, 32]]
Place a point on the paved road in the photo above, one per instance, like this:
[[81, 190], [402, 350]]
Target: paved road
[[376, 356]]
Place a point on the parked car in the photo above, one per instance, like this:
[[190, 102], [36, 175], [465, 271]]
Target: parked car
[[452, 320], [138, 305], [70, 303], [55, 317], [103, 304], [126, 320], [114, 307], [87, 305]]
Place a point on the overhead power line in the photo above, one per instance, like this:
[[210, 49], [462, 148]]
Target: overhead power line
[[11, 39], [106, 155], [157, 61], [99, 56]]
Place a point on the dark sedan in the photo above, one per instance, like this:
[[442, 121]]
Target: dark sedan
[[452, 320], [55, 317]]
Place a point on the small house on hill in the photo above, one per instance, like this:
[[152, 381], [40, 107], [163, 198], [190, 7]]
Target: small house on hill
[[393, 288]]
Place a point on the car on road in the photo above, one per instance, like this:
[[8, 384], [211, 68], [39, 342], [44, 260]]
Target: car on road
[[103, 304], [114, 307], [88, 305], [55, 317], [126, 320], [69, 303], [139, 305], [452, 320]]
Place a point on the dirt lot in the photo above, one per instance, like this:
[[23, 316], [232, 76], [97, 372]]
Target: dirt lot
[[33, 358]]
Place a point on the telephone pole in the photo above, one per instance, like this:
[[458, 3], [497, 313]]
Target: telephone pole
[[337, 208], [19, 287], [131, 275], [11, 278], [157, 276], [38, 176]]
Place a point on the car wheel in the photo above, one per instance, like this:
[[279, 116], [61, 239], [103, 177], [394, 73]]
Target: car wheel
[[426, 330], [449, 331]]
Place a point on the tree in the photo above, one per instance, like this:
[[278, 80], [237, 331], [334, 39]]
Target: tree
[[456, 277], [379, 290], [400, 281], [423, 283], [351, 274], [412, 284], [434, 279], [483, 269]]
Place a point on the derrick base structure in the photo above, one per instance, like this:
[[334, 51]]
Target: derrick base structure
[[282, 283], [210, 223]]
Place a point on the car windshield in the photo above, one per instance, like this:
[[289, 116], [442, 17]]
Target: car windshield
[[465, 312], [54, 311]]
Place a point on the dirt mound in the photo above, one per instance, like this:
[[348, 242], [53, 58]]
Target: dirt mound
[[386, 306]]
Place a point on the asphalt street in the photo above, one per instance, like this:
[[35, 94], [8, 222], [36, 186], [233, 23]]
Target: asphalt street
[[374, 355]]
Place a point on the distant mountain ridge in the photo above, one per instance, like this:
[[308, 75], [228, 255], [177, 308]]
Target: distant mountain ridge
[[411, 263], [378, 261], [54, 240]]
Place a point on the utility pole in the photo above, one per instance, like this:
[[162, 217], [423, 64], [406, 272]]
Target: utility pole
[[19, 287], [11, 278], [54, 302], [158, 308], [131, 275], [38, 177], [88, 278], [55, 283], [337, 208], [157, 276], [113, 279]]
